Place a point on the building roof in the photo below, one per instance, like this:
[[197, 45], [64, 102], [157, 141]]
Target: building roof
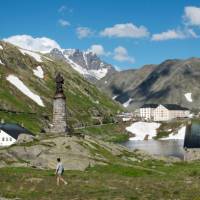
[[149, 106], [174, 107], [168, 106], [14, 130], [192, 136]]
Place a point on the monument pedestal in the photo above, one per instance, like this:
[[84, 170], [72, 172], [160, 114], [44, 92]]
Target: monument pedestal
[[59, 114]]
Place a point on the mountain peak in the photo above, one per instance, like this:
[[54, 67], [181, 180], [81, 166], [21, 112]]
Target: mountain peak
[[85, 62]]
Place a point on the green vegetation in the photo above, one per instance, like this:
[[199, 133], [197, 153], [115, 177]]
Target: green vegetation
[[30, 121], [107, 132], [161, 134], [168, 127], [146, 180]]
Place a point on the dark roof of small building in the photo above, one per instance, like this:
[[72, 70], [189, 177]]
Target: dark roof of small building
[[14, 130], [192, 136], [174, 107], [149, 106]]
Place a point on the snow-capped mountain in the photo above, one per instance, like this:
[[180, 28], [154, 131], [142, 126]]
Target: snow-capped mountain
[[85, 62]]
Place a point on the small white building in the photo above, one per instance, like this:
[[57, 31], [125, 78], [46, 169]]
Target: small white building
[[125, 116], [9, 133], [163, 112], [147, 110]]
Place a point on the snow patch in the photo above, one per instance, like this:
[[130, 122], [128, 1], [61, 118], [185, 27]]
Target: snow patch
[[36, 56], [1, 47], [85, 58], [38, 72], [142, 129], [102, 64], [179, 136], [1, 63], [98, 74], [188, 96], [68, 52], [126, 104], [14, 80], [77, 67]]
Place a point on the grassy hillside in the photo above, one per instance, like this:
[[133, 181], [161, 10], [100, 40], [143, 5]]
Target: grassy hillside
[[146, 180], [85, 103], [107, 132]]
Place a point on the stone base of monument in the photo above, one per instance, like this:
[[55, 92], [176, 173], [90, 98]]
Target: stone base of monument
[[59, 124]]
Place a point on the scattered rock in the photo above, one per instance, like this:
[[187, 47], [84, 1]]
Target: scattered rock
[[25, 138]]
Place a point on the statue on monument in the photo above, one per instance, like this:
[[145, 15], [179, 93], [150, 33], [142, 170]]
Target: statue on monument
[[59, 121], [59, 83]]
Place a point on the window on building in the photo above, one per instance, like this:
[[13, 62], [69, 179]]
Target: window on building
[[10, 139], [6, 139], [3, 139]]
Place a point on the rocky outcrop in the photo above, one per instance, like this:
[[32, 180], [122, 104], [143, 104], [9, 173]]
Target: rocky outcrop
[[76, 153], [24, 138]]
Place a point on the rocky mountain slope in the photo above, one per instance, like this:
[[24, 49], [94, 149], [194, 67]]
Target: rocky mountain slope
[[86, 63], [27, 88], [173, 81]]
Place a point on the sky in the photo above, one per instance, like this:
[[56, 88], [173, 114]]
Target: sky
[[124, 33]]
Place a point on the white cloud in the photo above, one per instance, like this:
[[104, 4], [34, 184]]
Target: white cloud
[[62, 8], [63, 22], [98, 50], [83, 32], [42, 44], [128, 30], [121, 55], [174, 34], [192, 15]]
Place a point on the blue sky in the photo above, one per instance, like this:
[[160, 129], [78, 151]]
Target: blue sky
[[125, 33]]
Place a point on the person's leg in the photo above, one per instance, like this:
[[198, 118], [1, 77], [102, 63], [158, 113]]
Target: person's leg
[[62, 179], [58, 180]]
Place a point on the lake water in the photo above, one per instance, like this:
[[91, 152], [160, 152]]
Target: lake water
[[158, 147]]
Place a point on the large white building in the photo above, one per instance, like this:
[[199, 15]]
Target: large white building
[[9, 133], [163, 112], [146, 111]]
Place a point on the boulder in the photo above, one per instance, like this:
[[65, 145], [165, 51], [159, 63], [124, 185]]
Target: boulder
[[25, 138]]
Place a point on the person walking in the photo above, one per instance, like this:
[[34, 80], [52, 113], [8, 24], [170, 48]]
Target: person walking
[[59, 172]]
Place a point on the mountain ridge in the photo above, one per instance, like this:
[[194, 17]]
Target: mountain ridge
[[86, 63], [167, 82]]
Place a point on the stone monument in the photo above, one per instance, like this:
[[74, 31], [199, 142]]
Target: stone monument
[[59, 107]]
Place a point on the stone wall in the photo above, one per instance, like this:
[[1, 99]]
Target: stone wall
[[192, 154]]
